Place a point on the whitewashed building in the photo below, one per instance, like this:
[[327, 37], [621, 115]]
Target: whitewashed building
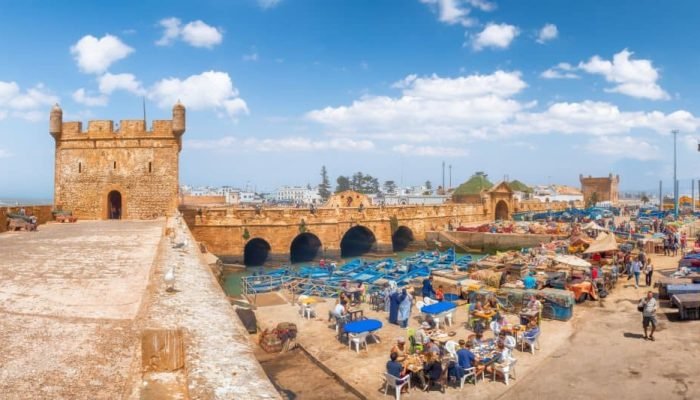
[[297, 195]]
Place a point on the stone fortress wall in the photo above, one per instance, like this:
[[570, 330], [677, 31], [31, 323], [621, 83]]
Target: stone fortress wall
[[141, 165]]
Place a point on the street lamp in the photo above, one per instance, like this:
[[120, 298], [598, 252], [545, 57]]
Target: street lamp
[[675, 182]]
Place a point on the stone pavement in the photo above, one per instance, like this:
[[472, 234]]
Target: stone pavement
[[68, 299]]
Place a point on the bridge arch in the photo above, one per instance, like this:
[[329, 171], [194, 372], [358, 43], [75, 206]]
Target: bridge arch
[[305, 247], [255, 252], [357, 241], [502, 212], [402, 238]]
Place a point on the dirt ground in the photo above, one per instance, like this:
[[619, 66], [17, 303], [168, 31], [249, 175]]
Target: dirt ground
[[607, 357], [296, 376]]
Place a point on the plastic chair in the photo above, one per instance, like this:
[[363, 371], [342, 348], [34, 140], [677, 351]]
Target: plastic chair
[[415, 347], [495, 327], [358, 340], [420, 305], [469, 373], [448, 318], [308, 311], [506, 368], [532, 341], [396, 383], [451, 347]]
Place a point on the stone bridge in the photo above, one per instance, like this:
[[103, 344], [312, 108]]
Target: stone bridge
[[252, 236]]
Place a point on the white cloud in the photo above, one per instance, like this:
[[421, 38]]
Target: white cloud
[[636, 78], [560, 71], [284, 144], [547, 33], [457, 11], [109, 83], [80, 96], [624, 147], [430, 151], [5, 153], [498, 36], [267, 4], [196, 33], [95, 55], [208, 90], [30, 104], [171, 31], [250, 57], [483, 107]]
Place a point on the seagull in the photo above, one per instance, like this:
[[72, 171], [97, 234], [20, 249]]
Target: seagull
[[169, 280]]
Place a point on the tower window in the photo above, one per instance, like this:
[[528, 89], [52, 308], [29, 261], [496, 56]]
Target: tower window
[[115, 165], [80, 168], [150, 167]]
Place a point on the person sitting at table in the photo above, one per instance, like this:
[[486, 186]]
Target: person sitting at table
[[535, 305], [465, 357], [439, 294], [400, 349], [529, 281], [492, 304], [431, 372], [507, 340], [429, 346], [428, 290], [532, 331], [394, 368], [422, 332], [502, 355], [478, 308], [340, 311], [496, 324]]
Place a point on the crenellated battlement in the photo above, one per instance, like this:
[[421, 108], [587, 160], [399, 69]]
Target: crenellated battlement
[[117, 169]]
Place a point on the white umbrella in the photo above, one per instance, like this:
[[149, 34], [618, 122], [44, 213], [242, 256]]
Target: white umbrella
[[572, 261]]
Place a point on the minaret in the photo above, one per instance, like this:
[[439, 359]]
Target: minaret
[[56, 122]]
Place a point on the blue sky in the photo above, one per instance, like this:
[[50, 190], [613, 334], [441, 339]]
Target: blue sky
[[537, 90]]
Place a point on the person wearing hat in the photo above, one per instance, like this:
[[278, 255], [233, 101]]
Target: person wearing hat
[[400, 349], [422, 332]]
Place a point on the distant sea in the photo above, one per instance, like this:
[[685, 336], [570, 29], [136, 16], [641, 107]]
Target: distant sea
[[24, 201]]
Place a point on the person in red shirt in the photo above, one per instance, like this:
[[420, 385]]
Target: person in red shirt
[[439, 294]]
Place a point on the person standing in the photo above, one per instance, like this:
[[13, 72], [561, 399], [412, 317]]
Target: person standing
[[405, 309], [428, 290], [648, 308], [636, 270], [648, 271]]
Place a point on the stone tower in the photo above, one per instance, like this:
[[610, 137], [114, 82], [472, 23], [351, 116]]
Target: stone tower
[[123, 173], [604, 188]]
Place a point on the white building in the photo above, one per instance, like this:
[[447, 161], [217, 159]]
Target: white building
[[550, 193], [297, 195]]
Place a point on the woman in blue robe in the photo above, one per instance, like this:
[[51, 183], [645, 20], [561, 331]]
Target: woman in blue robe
[[396, 299]]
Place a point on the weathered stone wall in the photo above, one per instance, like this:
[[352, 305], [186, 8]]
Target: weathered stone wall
[[142, 166], [41, 212], [202, 200], [542, 206], [493, 241], [226, 230], [606, 188]]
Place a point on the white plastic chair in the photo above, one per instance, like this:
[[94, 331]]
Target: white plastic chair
[[469, 373], [533, 342], [358, 340], [451, 347], [429, 301], [506, 368], [420, 305], [308, 311], [396, 383], [448, 318]]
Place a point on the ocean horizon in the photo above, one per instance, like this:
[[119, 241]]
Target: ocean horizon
[[24, 201]]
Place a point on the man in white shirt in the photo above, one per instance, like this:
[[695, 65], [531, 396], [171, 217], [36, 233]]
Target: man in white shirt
[[648, 306]]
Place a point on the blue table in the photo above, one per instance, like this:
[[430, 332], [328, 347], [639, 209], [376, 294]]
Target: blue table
[[365, 325], [438, 308]]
